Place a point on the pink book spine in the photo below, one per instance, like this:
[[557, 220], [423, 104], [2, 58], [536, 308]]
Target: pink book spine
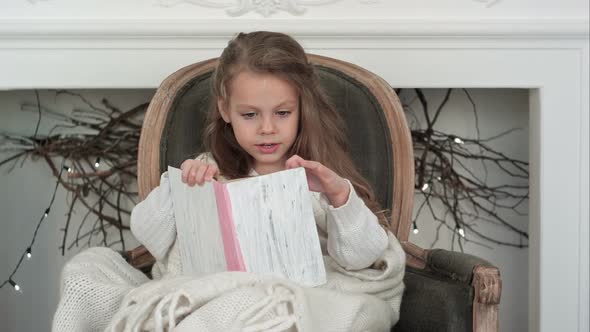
[[231, 246]]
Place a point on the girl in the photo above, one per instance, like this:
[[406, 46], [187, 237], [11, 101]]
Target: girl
[[269, 113]]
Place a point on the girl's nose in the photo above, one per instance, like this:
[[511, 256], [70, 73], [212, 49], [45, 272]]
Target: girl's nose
[[267, 126]]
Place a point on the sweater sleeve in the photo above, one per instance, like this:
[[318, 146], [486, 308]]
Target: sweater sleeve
[[152, 220], [355, 238]]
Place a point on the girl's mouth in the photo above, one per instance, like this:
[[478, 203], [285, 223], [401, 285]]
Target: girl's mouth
[[268, 147]]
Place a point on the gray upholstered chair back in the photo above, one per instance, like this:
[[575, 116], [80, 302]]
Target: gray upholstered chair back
[[183, 101]]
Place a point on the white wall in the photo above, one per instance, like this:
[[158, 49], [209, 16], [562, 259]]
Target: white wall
[[25, 193]]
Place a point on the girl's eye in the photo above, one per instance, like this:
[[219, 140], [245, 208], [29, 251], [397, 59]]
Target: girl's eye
[[283, 113], [249, 115]]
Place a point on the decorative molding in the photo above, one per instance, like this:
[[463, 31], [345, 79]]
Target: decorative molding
[[82, 30], [488, 3], [265, 8]]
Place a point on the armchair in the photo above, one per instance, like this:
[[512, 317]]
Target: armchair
[[445, 291]]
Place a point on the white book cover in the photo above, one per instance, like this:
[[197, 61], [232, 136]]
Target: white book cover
[[262, 225]]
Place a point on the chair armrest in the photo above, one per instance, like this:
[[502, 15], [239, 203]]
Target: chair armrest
[[448, 291], [140, 258]]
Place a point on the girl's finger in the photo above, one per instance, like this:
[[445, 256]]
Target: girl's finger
[[294, 161], [184, 164], [211, 172], [310, 164], [200, 177], [185, 167], [314, 168], [192, 177]]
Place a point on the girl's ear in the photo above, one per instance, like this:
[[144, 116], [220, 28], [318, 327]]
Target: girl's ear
[[223, 111]]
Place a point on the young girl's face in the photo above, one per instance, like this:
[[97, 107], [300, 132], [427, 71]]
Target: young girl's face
[[264, 113]]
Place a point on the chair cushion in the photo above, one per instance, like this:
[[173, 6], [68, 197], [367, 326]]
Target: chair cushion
[[182, 137], [434, 303], [367, 131]]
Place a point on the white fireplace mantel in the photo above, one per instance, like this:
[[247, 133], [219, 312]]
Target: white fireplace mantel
[[515, 44]]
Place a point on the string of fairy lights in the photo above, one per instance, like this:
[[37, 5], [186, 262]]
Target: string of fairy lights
[[27, 254], [415, 229], [426, 186]]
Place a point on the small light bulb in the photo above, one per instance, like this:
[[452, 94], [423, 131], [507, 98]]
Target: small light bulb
[[424, 187], [416, 231], [458, 140], [97, 162], [29, 254], [462, 232], [46, 213], [438, 178], [14, 284]]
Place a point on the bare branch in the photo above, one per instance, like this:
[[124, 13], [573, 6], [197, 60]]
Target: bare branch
[[443, 175]]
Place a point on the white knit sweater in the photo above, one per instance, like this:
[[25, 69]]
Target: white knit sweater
[[350, 234]]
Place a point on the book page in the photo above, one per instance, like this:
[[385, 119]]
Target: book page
[[197, 225], [275, 226]]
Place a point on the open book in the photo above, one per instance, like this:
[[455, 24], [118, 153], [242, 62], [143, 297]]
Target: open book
[[262, 224]]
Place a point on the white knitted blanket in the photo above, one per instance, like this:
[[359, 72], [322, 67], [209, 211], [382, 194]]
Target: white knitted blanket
[[101, 292]]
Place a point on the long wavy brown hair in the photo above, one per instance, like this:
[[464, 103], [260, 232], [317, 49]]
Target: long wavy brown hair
[[321, 135]]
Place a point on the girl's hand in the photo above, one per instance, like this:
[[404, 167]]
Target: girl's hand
[[322, 179], [196, 171]]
